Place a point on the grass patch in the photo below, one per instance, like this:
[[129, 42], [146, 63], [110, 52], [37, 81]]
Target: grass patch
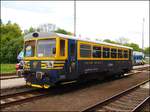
[[8, 68]]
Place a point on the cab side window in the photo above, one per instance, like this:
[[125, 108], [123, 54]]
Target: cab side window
[[62, 47]]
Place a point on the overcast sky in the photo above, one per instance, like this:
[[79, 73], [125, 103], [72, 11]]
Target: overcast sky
[[94, 19]]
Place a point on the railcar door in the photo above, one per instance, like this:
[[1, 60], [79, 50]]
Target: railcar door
[[72, 59]]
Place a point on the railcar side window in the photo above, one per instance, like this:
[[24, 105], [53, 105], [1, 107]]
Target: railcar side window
[[62, 47], [125, 54], [106, 52], [85, 50], [96, 52], [120, 54], [113, 53]]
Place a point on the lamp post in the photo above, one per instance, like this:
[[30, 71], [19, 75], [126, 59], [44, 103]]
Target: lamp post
[[74, 17], [143, 35]]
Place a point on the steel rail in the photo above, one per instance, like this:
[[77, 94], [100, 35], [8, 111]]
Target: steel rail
[[138, 107], [24, 97], [16, 94]]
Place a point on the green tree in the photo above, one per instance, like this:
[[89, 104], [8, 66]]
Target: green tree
[[110, 41], [11, 42], [126, 43], [10, 31], [147, 51], [134, 46], [1, 22], [30, 30], [59, 30]]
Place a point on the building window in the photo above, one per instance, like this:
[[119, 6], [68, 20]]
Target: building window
[[62, 47], [113, 53], [120, 54], [125, 54], [85, 50], [106, 52], [96, 52]]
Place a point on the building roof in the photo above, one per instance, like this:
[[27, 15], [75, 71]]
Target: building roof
[[53, 34]]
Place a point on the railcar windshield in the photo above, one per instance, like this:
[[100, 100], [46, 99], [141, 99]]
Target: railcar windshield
[[46, 48], [29, 48]]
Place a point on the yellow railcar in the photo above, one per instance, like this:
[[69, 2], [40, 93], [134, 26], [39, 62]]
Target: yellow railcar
[[50, 58]]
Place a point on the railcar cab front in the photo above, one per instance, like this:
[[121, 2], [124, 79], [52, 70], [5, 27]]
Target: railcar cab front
[[46, 59]]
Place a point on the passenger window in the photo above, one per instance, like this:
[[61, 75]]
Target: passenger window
[[113, 53], [62, 47], [120, 54], [125, 54], [96, 52], [85, 50], [106, 52]]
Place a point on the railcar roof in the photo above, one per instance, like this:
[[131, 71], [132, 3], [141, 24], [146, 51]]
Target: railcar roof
[[53, 34]]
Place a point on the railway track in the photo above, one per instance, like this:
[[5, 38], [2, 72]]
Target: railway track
[[21, 97], [18, 98], [131, 99]]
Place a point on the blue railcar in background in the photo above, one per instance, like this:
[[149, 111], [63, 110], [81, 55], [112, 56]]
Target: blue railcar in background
[[20, 56], [138, 58], [19, 65]]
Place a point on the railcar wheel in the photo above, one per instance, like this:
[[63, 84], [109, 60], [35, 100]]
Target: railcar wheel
[[120, 75]]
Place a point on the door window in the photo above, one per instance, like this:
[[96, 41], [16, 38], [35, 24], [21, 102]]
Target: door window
[[72, 49]]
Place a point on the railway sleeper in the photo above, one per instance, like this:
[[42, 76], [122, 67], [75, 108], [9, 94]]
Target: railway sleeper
[[118, 102], [124, 107], [109, 108], [127, 99]]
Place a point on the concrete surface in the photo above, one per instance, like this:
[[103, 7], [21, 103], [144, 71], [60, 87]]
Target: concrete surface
[[10, 83], [147, 85], [140, 66]]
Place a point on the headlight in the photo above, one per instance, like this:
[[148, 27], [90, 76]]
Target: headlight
[[50, 64], [26, 65]]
